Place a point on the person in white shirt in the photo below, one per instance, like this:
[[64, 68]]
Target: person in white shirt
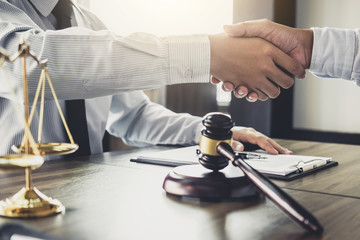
[[326, 52], [86, 61]]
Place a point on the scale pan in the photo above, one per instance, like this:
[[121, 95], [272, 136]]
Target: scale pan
[[15, 162], [49, 148]]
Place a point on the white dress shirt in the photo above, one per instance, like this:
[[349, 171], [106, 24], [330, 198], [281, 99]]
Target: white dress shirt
[[336, 53], [87, 61]]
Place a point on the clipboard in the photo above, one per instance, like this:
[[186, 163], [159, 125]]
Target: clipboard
[[296, 175], [289, 167]]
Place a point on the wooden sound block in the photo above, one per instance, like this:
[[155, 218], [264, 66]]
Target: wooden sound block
[[195, 181]]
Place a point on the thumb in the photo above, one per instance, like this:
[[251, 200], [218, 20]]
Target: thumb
[[237, 146], [255, 28], [235, 30]]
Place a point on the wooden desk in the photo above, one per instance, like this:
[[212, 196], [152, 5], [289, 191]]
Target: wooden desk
[[343, 180], [108, 197]]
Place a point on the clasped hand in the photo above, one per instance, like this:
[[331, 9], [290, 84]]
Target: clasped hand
[[255, 59]]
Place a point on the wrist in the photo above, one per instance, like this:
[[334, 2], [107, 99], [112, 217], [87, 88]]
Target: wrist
[[308, 38], [212, 53], [188, 58], [214, 56]]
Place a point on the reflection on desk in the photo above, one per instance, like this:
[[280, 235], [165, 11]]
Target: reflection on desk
[[108, 197]]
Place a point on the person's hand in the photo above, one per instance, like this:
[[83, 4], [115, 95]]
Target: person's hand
[[297, 43], [239, 92], [244, 134], [254, 63]]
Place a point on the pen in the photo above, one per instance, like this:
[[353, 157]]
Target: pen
[[309, 165], [284, 201], [249, 155]]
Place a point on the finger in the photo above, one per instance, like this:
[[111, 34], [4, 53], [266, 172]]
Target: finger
[[272, 91], [248, 29], [280, 77], [279, 148], [267, 146], [290, 65], [241, 92], [227, 86], [254, 137], [237, 146], [266, 88], [252, 97], [273, 147], [214, 80]]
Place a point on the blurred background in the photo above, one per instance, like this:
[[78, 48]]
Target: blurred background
[[314, 109]]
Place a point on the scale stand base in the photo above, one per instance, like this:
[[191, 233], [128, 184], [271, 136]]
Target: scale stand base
[[30, 204], [195, 181]]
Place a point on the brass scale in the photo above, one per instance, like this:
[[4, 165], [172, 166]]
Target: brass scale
[[29, 201]]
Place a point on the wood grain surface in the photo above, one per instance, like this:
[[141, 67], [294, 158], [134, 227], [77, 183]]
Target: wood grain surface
[[108, 197]]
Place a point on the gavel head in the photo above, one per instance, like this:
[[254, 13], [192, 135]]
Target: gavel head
[[217, 129]]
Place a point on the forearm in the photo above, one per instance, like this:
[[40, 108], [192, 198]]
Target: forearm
[[84, 63], [140, 122]]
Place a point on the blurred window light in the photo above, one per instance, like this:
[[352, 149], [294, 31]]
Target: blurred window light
[[222, 98], [164, 17]]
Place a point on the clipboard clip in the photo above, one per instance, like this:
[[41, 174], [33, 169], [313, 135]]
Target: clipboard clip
[[309, 165]]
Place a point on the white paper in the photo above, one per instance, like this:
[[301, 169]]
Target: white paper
[[272, 164]]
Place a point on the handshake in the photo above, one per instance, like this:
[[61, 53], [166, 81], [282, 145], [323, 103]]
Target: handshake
[[255, 59]]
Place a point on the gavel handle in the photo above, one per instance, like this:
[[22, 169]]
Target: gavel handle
[[284, 201]]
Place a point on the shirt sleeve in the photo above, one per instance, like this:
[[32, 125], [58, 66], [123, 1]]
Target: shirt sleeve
[[85, 64], [336, 53], [140, 122]]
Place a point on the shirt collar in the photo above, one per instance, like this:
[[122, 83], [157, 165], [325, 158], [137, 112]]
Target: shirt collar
[[45, 7]]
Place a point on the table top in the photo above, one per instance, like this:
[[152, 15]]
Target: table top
[[108, 197], [343, 180]]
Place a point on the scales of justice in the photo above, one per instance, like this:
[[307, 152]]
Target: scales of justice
[[29, 201]]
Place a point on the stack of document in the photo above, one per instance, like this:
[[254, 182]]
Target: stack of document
[[271, 165]]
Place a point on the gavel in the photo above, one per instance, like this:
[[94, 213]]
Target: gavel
[[215, 153]]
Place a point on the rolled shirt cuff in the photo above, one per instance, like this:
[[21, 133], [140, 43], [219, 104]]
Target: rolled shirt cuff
[[189, 59], [333, 52]]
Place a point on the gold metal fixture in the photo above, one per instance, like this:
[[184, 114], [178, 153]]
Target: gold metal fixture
[[29, 201]]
